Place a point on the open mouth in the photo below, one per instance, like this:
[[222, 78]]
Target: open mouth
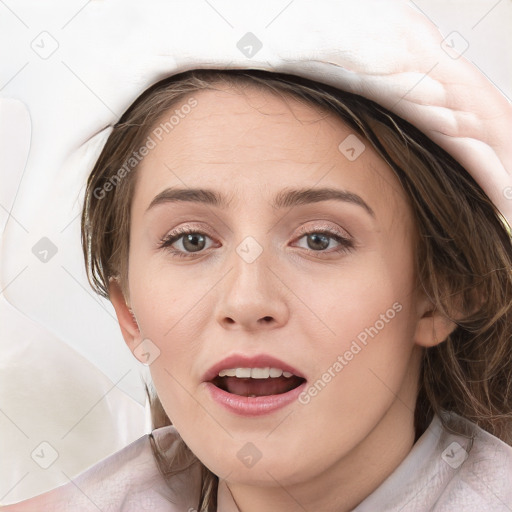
[[254, 382]]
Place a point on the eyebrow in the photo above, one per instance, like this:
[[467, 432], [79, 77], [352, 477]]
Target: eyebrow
[[286, 198]]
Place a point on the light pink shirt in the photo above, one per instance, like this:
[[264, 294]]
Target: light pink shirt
[[443, 472]]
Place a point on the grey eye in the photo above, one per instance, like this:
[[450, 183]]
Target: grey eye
[[317, 241], [193, 242]]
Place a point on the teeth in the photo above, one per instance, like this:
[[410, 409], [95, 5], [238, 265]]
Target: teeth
[[243, 373], [276, 372], [255, 373], [227, 373], [260, 373]]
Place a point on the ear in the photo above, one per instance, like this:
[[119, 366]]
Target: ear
[[433, 327], [127, 322]]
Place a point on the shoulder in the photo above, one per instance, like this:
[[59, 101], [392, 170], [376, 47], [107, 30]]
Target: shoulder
[[128, 480], [455, 465], [480, 465]]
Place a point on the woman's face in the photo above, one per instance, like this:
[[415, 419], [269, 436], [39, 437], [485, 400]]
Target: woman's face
[[277, 266]]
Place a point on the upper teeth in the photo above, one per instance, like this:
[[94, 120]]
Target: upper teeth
[[254, 373]]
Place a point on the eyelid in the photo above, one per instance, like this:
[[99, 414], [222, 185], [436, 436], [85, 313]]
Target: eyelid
[[343, 233], [178, 232]]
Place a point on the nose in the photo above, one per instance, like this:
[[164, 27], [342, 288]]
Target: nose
[[252, 296]]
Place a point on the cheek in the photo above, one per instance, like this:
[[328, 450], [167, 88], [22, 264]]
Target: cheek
[[164, 298], [366, 299], [171, 309], [364, 356]]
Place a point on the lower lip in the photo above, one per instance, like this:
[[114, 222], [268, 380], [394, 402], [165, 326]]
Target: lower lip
[[253, 406]]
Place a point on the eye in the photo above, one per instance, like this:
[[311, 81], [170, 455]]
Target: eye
[[189, 240], [186, 241], [318, 240]]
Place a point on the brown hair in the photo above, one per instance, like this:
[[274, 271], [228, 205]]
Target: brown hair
[[463, 252]]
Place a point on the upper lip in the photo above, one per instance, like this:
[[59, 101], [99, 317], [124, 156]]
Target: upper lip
[[242, 361]]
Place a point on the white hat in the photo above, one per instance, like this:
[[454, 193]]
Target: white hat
[[384, 50]]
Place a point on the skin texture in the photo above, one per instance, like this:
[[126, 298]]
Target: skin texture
[[294, 302]]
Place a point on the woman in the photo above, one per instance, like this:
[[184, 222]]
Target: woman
[[369, 309]]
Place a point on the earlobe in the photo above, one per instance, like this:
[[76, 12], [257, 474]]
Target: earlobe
[[127, 322]]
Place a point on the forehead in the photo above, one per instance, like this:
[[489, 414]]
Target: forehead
[[226, 121], [250, 143]]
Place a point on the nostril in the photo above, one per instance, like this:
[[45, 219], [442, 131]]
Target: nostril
[[267, 319]]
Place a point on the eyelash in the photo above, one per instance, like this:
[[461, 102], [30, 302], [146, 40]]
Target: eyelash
[[346, 244]]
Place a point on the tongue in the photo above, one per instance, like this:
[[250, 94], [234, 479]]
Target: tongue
[[260, 387]]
